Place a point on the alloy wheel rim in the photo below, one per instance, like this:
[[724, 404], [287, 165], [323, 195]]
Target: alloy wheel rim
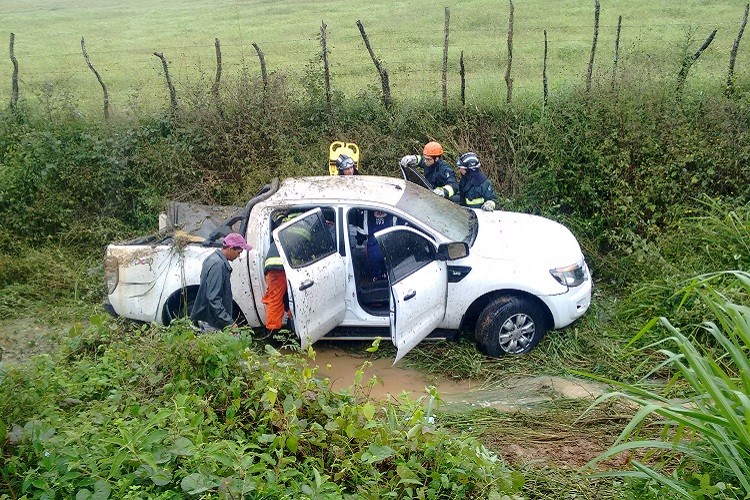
[[516, 333]]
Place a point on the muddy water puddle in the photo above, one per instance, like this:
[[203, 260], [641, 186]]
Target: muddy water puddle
[[508, 394]]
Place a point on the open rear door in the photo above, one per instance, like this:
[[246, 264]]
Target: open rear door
[[418, 284], [315, 273]]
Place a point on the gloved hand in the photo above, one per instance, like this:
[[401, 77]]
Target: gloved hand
[[408, 161], [439, 192], [488, 206]]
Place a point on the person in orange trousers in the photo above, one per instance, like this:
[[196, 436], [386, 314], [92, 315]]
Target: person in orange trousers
[[275, 296]]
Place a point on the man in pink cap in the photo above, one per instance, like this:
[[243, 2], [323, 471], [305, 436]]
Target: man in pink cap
[[213, 305]]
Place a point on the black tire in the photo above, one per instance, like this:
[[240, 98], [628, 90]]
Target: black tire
[[179, 305], [510, 325]]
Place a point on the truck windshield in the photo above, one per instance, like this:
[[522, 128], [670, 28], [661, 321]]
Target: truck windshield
[[457, 223]]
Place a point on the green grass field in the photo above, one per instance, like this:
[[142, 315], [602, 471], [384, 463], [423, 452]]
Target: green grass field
[[121, 37]]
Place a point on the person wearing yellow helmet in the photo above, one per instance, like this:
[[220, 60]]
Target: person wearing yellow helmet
[[437, 171]]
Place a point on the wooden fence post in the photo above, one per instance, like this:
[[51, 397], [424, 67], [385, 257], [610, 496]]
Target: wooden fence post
[[444, 75], [217, 79], [14, 78], [172, 92], [99, 79], [590, 69], [508, 77], [729, 90], [263, 72], [690, 59], [545, 89], [462, 72], [617, 51], [326, 68], [387, 100]]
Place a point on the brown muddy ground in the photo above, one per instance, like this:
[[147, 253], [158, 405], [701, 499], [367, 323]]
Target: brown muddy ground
[[524, 423]]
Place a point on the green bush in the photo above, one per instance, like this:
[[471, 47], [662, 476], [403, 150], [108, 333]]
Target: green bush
[[162, 413], [618, 165]]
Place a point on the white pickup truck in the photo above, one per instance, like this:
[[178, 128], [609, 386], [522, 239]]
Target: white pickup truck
[[508, 277]]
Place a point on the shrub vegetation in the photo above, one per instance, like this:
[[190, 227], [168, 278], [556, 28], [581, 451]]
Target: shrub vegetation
[[161, 413], [654, 185]]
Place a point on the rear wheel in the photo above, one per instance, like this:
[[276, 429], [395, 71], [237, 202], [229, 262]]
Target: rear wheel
[[179, 305], [510, 325]]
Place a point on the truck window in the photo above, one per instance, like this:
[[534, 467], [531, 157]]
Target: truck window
[[406, 252], [307, 240]]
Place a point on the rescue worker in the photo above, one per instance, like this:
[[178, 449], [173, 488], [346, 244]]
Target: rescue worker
[[475, 189], [437, 171], [346, 165], [371, 222], [212, 309], [275, 298]]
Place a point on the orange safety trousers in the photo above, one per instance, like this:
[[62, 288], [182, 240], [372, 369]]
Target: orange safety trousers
[[274, 298]]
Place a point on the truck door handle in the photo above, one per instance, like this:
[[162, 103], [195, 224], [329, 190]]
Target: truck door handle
[[306, 284], [410, 295]]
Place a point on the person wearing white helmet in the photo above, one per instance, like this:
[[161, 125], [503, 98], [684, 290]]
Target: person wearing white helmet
[[474, 189], [346, 165]]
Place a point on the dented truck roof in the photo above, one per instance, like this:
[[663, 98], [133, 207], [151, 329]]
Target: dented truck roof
[[368, 188]]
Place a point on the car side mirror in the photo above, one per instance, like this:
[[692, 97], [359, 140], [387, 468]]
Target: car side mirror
[[452, 251]]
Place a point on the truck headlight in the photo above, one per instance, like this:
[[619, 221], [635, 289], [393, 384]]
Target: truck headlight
[[111, 273], [572, 275]]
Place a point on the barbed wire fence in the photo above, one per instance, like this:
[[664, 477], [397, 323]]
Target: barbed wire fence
[[398, 64]]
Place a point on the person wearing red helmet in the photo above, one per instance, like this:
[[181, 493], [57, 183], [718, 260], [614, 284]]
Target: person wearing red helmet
[[437, 171]]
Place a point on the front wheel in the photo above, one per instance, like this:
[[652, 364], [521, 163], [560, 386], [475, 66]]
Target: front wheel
[[510, 325]]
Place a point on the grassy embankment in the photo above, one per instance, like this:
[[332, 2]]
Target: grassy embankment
[[678, 211], [654, 186]]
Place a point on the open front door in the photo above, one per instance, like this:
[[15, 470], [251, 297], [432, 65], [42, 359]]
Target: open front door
[[418, 283], [315, 273]]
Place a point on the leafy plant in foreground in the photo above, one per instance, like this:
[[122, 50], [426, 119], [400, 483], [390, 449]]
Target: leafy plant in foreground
[[162, 413], [704, 446]]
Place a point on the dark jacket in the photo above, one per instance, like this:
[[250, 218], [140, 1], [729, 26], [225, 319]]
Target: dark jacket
[[475, 188], [273, 260], [214, 301], [370, 222], [441, 175]]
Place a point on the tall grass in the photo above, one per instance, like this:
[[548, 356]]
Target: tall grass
[[704, 446], [407, 36]]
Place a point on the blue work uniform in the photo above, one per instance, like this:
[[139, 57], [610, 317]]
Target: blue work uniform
[[372, 222], [441, 175], [475, 188]]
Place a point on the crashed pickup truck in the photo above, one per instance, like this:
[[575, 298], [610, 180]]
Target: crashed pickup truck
[[508, 277]]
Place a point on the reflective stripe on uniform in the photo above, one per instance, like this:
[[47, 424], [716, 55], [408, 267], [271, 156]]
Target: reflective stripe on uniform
[[475, 202], [448, 189], [273, 263]]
